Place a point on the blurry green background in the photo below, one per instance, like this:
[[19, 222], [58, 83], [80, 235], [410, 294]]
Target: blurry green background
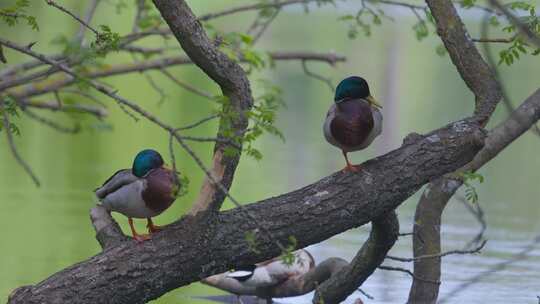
[[46, 229]]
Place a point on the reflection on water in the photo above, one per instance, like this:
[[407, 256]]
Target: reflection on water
[[47, 229]]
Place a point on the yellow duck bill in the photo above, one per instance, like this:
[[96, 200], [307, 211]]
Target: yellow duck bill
[[373, 102]]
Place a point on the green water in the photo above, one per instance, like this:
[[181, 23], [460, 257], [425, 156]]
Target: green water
[[46, 229]]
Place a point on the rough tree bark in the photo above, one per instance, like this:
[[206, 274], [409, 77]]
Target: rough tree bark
[[136, 273], [384, 233], [481, 80], [234, 84], [334, 278], [427, 228]]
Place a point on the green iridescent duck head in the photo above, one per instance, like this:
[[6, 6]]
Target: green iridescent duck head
[[354, 87], [145, 161]]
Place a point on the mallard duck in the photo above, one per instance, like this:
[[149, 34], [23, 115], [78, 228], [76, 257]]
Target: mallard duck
[[273, 272], [354, 120], [144, 191]]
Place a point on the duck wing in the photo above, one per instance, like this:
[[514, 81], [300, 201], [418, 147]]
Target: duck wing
[[119, 179]]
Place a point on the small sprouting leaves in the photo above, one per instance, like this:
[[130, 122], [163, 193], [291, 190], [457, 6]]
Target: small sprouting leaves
[[251, 240], [11, 15], [287, 256], [441, 50], [261, 117], [494, 21], [421, 30], [470, 191], [518, 46], [468, 3], [149, 16], [106, 41], [10, 107], [513, 52], [182, 185], [239, 46]]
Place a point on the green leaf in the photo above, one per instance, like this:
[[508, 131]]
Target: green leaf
[[421, 30], [441, 50], [251, 240], [494, 21], [468, 3]]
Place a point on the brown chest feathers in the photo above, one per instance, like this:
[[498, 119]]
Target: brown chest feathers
[[352, 123], [160, 190]]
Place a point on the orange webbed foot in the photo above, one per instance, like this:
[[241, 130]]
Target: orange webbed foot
[[141, 237], [352, 168], [153, 228]]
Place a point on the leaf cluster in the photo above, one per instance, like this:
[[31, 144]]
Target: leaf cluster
[[469, 178], [261, 117], [12, 14], [10, 107]]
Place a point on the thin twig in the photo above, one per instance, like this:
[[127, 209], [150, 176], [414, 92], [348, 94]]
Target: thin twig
[[142, 50], [494, 40], [439, 255], [478, 214], [84, 94], [495, 268], [32, 64], [63, 9], [262, 26], [120, 69], [90, 11], [121, 101], [69, 130], [251, 7], [11, 143], [186, 86], [153, 84], [407, 271], [138, 16], [366, 294], [53, 106], [317, 76], [210, 139], [491, 61], [523, 28], [198, 123]]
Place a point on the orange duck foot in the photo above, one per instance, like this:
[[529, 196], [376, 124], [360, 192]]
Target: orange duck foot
[[153, 228], [352, 168], [141, 237], [138, 237]]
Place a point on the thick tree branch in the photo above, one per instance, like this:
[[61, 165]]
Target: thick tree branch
[[482, 81], [108, 232], [426, 237], [384, 234], [471, 66], [234, 84], [333, 279], [192, 248]]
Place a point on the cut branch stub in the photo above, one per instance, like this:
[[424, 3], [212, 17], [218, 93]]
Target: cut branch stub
[[108, 232], [191, 248]]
